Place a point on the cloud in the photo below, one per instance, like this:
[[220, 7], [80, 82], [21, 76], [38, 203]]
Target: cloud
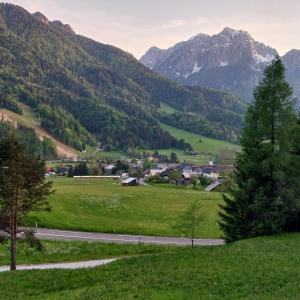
[[174, 24]]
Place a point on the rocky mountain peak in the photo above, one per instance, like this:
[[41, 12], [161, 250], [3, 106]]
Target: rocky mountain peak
[[227, 31], [152, 56], [42, 18], [221, 61], [65, 28]]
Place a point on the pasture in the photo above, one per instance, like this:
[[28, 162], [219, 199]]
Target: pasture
[[103, 205], [207, 147]]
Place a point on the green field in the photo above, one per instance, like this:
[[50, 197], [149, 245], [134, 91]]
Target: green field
[[103, 205], [164, 107], [199, 144], [62, 251], [257, 269]]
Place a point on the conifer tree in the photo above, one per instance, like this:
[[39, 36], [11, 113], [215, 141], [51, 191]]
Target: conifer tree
[[266, 194], [23, 189]]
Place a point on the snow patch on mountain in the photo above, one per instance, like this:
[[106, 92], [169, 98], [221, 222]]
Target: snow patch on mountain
[[263, 59], [224, 63], [196, 68]]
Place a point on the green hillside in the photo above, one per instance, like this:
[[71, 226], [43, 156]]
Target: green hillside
[[85, 92], [29, 120], [201, 143], [207, 148]]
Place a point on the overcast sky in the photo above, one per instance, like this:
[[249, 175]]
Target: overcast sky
[[136, 25]]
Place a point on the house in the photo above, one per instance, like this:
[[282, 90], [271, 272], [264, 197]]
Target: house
[[167, 172], [108, 170], [98, 147], [63, 171], [124, 176], [207, 172], [158, 169], [50, 172], [135, 166], [146, 172], [188, 174], [212, 186], [185, 168], [197, 171], [131, 181], [215, 172]]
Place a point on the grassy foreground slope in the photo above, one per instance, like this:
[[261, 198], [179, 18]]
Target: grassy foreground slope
[[262, 268], [67, 251], [103, 205]]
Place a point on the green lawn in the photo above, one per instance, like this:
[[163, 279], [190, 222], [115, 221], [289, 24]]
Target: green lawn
[[103, 205], [62, 251], [263, 268]]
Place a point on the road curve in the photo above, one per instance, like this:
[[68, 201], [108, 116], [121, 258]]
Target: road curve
[[70, 265], [66, 235]]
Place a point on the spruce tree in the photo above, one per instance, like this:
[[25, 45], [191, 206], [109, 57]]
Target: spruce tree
[[266, 194]]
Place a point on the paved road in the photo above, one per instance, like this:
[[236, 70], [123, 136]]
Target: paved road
[[72, 265], [53, 234]]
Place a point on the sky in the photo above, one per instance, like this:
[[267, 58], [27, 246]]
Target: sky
[[137, 25]]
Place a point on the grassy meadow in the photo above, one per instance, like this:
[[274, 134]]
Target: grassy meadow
[[166, 108], [262, 268], [200, 144], [103, 205]]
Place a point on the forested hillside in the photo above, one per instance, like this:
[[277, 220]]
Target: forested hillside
[[86, 92]]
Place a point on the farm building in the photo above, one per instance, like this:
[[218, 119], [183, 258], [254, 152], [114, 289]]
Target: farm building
[[131, 181], [108, 170]]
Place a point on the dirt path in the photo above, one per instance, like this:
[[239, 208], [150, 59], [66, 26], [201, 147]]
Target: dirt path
[[71, 265]]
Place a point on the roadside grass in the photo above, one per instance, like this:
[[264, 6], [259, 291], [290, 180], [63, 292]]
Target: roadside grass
[[69, 251], [103, 205], [262, 268]]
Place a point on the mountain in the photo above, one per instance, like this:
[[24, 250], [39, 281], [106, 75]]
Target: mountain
[[231, 60], [291, 61], [84, 92]]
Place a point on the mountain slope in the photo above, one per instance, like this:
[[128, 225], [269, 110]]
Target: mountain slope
[[231, 60], [28, 120], [86, 92], [291, 61]]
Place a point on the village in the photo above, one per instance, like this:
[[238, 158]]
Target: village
[[149, 170]]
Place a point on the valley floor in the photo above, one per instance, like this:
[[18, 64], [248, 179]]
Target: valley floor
[[102, 205]]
